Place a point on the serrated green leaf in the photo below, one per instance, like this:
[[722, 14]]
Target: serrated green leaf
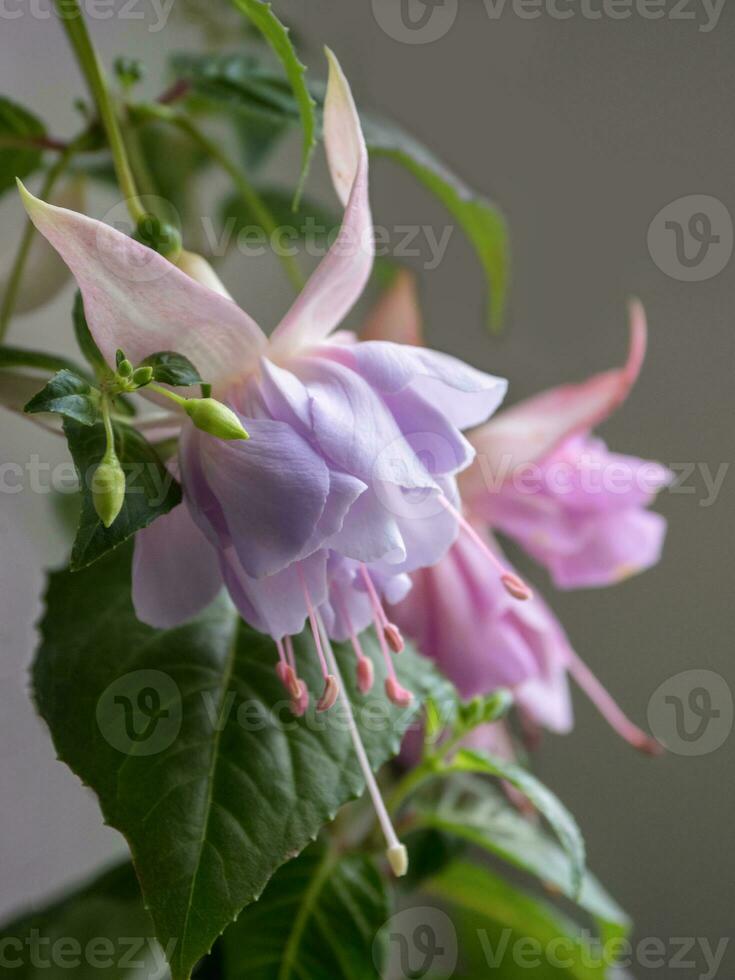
[[173, 369], [486, 906], [69, 395], [480, 220], [549, 806], [219, 792], [100, 929], [150, 489], [277, 35], [17, 123], [318, 918], [482, 816]]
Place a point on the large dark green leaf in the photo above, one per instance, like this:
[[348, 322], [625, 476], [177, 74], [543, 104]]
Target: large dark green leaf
[[480, 220], [507, 933], [69, 395], [150, 490], [17, 126], [100, 929], [201, 765], [318, 918], [479, 814], [559, 818]]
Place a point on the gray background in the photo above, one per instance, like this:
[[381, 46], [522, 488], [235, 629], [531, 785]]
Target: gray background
[[582, 130]]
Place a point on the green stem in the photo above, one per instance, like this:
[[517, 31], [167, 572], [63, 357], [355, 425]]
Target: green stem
[[76, 29], [247, 192], [16, 273], [169, 394], [107, 421]]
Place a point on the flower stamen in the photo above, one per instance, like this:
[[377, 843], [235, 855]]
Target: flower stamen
[[365, 674], [513, 584], [609, 709], [394, 690], [331, 685], [390, 631], [395, 851]]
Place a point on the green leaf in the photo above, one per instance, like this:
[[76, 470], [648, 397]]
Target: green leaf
[[318, 918], [480, 220], [100, 929], [238, 84], [488, 906], [480, 815], [150, 489], [173, 369], [277, 35], [85, 340], [186, 738], [309, 219], [17, 160], [36, 361], [69, 395], [560, 819]]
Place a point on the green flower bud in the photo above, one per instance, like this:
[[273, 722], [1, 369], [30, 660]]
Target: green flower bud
[[213, 417], [142, 375], [159, 235], [125, 368], [108, 488]]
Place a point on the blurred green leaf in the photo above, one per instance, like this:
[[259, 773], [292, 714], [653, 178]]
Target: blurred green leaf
[[171, 368], [17, 123], [277, 35], [509, 933], [549, 806], [479, 814]]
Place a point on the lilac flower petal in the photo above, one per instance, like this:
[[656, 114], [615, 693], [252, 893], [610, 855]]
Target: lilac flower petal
[[339, 280], [355, 429], [175, 570], [272, 490], [276, 604], [617, 547], [369, 533], [530, 430], [464, 395], [137, 300]]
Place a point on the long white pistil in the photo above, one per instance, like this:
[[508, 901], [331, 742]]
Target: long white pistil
[[396, 852]]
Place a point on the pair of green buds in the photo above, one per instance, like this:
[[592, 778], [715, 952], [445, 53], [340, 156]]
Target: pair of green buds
[[207, 414]]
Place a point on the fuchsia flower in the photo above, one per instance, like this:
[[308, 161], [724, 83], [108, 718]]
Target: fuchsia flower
[[313, 517], [586, 531]]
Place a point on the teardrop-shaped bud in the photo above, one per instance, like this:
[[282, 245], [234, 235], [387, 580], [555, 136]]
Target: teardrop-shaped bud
[[213, 417], [108, 488]]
